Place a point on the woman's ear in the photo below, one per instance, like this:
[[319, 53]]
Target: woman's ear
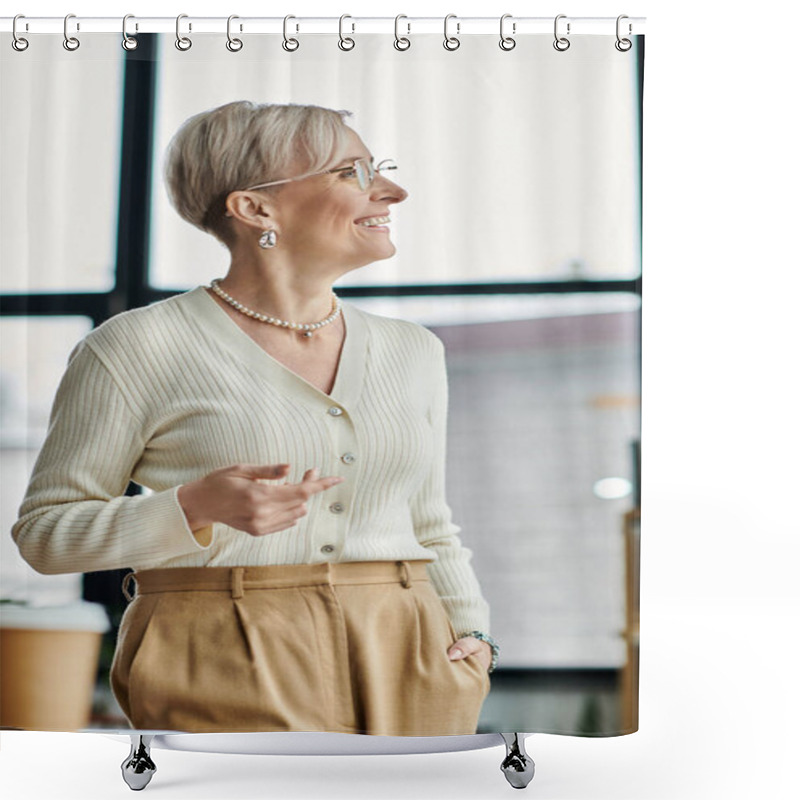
[[249, 208]]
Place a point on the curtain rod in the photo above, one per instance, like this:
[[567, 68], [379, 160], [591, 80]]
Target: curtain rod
[[307, 25]]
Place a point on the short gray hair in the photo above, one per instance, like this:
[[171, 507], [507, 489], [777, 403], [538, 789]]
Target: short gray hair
[[241, 144]]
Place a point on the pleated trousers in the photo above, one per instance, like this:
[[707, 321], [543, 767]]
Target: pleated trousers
[[356, 647]]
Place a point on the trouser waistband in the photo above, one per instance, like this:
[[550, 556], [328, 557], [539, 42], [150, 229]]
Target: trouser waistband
[[238, 579]]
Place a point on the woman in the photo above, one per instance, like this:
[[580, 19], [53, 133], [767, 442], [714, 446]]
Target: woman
[[269, 596]]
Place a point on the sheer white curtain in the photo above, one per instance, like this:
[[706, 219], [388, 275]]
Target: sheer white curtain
[[59, 160]]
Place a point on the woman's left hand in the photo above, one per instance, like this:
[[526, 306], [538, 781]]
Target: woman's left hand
[[469, 645]]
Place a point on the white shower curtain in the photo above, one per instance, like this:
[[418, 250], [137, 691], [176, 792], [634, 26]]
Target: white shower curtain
[[519, 246]]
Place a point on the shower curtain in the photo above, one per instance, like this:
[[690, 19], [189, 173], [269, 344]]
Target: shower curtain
[[518, 247]]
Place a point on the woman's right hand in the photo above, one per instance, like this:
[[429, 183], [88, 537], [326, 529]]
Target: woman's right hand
[[236, 497]]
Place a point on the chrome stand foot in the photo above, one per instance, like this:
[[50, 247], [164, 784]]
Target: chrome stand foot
[[517, 766], [138, 768]]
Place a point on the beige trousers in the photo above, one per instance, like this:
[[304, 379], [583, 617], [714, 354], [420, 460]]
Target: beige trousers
[[350, 647]]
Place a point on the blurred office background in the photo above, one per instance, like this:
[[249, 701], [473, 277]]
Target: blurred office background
[[519, 246]]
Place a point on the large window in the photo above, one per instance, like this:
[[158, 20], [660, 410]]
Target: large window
[[537, 182]]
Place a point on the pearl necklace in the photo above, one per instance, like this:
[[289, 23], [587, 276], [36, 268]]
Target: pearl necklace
[[306, 328]]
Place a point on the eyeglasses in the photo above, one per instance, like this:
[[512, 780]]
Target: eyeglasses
[[364, 171]]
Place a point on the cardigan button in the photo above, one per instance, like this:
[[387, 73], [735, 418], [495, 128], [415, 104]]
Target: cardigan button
[[348, 458], [327, 548], [335, 411], [336, 508]]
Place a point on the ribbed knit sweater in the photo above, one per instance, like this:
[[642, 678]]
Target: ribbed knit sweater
[[165, 394]]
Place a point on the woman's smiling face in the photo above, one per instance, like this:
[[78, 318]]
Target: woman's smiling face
[[330, 219]]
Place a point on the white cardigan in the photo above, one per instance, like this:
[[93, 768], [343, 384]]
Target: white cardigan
[[165, 394]]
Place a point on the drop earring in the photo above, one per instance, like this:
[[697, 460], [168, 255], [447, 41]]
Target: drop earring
[[268, 239]]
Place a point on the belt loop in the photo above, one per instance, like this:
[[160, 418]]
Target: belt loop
[[405, 575], [237, 583], [126, 582]]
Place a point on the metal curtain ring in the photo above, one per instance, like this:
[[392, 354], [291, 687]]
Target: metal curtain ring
[[506, 42], [451, 42], [345, 42], [401, 42], [289, 44], [182, 42], [18, 42], [623, 45], [561, 43], [234, 45], [128, 42], [70, 42]]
